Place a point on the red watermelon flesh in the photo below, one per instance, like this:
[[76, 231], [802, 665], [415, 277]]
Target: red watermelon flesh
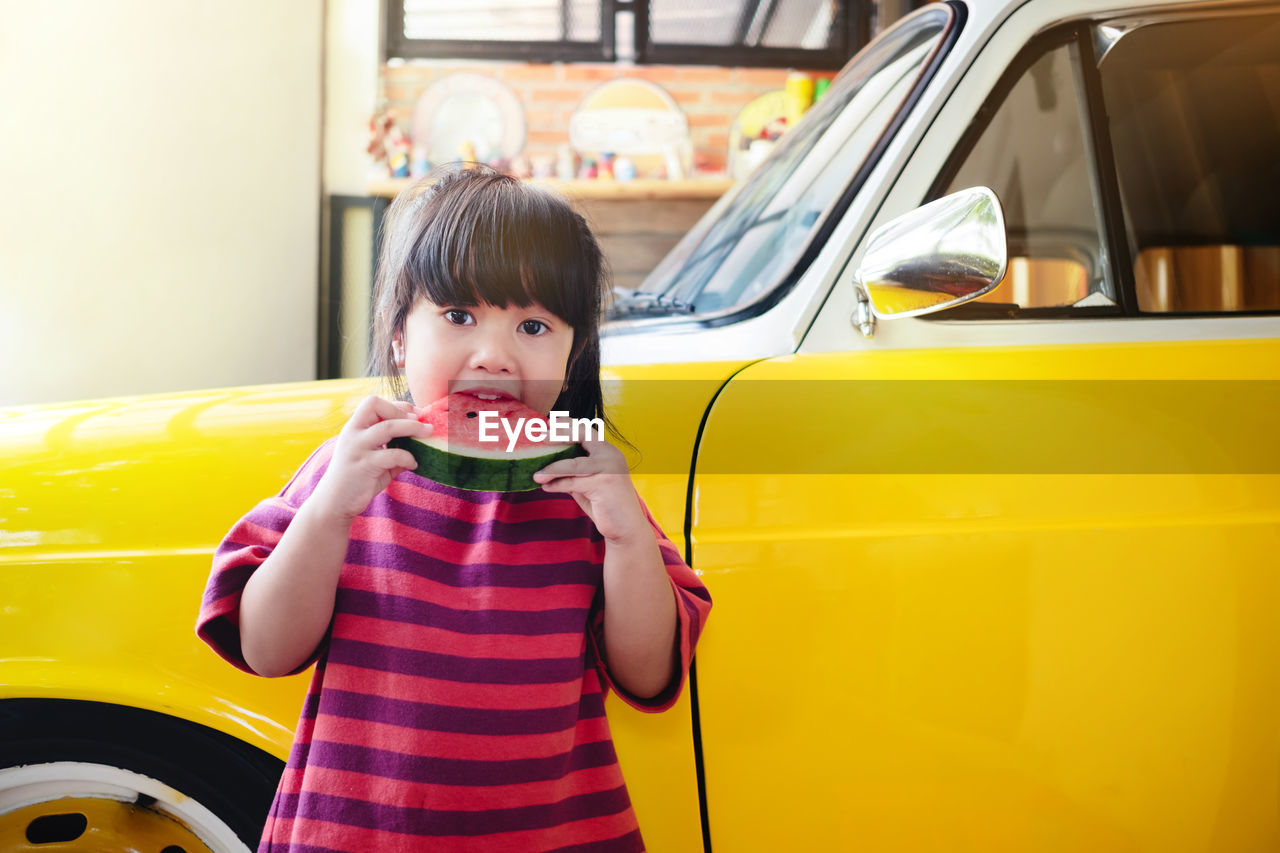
[[455, 456], [456, 419]]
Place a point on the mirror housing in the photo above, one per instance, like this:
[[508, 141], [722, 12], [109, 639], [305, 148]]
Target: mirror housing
[[939, 255]]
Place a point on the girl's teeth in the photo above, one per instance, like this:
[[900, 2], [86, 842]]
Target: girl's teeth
[[487, 396]]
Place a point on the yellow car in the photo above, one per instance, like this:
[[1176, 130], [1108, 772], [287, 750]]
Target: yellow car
[[964, 406]]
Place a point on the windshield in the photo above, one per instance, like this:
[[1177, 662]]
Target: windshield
[[747, 242]]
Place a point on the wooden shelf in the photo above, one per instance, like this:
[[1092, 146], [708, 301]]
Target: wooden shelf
[[640, 188]]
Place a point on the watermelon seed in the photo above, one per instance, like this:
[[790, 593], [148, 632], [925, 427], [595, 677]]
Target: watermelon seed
[[471, 414]]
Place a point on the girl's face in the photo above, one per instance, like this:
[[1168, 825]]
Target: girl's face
[[484, 350]]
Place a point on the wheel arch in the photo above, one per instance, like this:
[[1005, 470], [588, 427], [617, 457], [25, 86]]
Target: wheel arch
[[234, 780]]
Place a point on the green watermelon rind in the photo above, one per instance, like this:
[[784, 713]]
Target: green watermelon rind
[[478, 474]]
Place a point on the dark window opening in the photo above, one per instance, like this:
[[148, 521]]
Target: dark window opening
[[815, 34]]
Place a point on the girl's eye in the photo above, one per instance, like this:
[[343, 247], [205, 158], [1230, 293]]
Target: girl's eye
[[458, 317], [533, 327]]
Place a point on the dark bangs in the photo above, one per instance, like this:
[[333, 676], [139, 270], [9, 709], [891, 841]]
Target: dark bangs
[[487, 237]]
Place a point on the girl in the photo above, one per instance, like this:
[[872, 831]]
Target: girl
[[463, 641]]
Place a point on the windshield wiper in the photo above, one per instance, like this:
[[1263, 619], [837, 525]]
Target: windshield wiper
[[630, 303]]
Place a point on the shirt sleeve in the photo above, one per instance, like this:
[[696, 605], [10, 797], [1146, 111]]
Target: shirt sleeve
[[244, 549], [693, 604]]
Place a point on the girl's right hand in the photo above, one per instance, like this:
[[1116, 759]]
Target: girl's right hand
[[362, 465]]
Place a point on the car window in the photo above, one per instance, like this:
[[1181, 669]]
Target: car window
[[1194, 118], [750, 240], [1032, 152]]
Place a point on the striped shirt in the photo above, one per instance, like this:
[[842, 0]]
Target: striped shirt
[[458, 698]]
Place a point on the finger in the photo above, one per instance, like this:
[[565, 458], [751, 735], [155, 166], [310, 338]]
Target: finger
[[579, 466], [373, 409], [562, 484], [383, 431], [394, 460], [391, 409]]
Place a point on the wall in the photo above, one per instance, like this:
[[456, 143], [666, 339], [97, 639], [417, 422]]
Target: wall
[[161, 174], [709, 96]]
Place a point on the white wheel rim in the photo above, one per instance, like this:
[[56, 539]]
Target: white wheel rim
[[39, 783]]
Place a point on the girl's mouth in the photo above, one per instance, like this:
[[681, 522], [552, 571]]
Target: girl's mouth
[[488, 394]]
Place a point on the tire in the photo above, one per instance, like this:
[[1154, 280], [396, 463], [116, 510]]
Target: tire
[[138, 780]]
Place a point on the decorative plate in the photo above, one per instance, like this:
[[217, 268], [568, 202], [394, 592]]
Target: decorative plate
[[468, 109]]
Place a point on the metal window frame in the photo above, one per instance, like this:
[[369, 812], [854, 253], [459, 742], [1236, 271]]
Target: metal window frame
[[329, 345]]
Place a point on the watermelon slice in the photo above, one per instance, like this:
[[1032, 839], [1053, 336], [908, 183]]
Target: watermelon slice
[[455, 456]]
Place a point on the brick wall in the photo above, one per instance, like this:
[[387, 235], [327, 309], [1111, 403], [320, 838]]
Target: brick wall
[[710, 96]]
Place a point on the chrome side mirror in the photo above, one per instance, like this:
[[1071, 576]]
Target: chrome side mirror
[[944, 253]]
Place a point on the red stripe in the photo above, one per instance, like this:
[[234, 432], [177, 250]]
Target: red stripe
[[419, 688], [453, 745], [255, 533], [405, 583], [229, 603], [389, 532], [338, 836], [376, 789], [425, 638]]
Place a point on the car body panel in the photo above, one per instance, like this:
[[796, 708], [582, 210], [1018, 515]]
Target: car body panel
[[960, 642]]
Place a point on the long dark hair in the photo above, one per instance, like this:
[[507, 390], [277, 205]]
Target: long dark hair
[[466, 236]]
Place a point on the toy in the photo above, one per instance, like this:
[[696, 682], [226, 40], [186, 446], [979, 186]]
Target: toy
[[388, 146]]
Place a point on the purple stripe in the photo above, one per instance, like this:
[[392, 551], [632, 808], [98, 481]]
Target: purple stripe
[[311, 704], [273, 514], [695, 621], [478, 498], [447, 718], [629, 843], [460, 772], [386, 555], [228, 581], [471, 531], [412, 611], [697, 592], [426, 823], [456, 668], [224, 637]]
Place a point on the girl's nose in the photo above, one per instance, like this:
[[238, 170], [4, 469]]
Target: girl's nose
[[492, 353]]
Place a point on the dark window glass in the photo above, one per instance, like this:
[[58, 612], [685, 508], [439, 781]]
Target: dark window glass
[[1194, 109]]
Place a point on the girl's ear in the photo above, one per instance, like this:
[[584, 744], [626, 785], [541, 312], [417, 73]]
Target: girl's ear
[[397, 349]]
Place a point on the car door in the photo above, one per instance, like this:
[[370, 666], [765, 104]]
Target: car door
[[1004, 578]]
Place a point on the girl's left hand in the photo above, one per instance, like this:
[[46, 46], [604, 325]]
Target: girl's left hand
[[601, 484]]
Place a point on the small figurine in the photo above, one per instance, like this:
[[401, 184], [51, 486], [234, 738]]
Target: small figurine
[[543, 166], [566, 163], [624, 169], [387, 145]]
